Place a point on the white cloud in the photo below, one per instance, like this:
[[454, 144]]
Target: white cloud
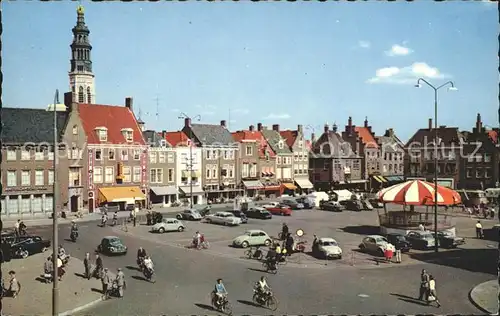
[[406, 75], [398, 50], [240, 111], [280, 116], [364, 44]]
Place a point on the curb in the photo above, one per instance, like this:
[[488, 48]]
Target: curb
[[477, 305], [80, 308]]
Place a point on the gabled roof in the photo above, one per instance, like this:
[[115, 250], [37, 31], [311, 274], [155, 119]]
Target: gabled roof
[[258, 137], [366, 137], [177, 139], [493, 135], [154, 139], [208, 134], [114, 118], [331, 144], [425, 137], [31, 125], [390, 144], [274, 138], [289, 137]]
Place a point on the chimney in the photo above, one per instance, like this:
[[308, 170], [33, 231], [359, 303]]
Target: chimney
[[163, 134], [276, 127], [299, 129], [187, 122], [141, 125], [68, 102], [390, 132], [334, 128], [366, 121], [129, 103], [223, 123], [326, 128], [479, 123], [313, 138], [349, 122], [251, 128], [259, 127], [430, 124]]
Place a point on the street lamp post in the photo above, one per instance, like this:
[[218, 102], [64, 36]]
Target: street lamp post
[[55, 279], [190, 169], [436, 89]]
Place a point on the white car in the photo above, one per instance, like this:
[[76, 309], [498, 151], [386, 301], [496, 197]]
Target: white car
[[223, 218], [329, 248], [270, 205], [253, 237], [190, 214], [168, 225]]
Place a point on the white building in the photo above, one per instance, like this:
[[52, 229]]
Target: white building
[[188, 175]]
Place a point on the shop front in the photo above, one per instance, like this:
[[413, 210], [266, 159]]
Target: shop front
[[195, 191], [271, 189], [288, 188], [252, 187], [377, 182], [164, 195], [394, 179], [121, 196], [305, 186]]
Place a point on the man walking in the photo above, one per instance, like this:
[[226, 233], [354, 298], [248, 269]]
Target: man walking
[[424, 286], [479, 230], [16, 227], [87, 265], [398, 252], [105, 280], [120, 282], [98, 267]]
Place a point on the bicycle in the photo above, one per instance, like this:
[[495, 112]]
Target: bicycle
[[268, 300], [254, 253], [270, 269], [223, 307]]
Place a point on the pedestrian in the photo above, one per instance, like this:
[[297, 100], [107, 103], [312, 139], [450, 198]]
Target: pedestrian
[[105, 280], [60, 269], [120, 282], [289, 244], [98, 267], [16, 227], [48, 270], [432, 292], [398, 252], [14, 285], [421, 227], [88, 266], [134, 217], [479, 230], [424, 285], [104, 219]]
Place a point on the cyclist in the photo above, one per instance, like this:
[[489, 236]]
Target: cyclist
[[220, 292], [262, 287]]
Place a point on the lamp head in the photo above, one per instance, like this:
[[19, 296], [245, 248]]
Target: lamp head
[[418, 85], [452, 88]]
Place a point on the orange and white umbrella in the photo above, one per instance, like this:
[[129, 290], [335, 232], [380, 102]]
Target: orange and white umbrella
[[418, 192]]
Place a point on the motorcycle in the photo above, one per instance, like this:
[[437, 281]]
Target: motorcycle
[[268, 299], [73, 236], [148, 274], [270, 266], [140, 263], [224, 306], [21, 253]]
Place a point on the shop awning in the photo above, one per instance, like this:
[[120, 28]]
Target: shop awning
[[269, 186], [304, 183], [121, 194], [379, 179], [394, 178], [253, 185], [289, 186], [186, 190], [357, 181], [166, 190]]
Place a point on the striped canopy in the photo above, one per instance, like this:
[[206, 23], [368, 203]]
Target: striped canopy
[[418, 192]]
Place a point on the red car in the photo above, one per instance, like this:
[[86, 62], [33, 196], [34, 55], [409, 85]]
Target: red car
[[283, 210]]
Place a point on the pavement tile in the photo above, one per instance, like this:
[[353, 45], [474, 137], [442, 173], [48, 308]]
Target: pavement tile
[[485, 296], [35, 297]]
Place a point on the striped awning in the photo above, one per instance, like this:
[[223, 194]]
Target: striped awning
[[253, 185]]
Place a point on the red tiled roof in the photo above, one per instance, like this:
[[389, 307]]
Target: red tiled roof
[[493, 135], [178, 138], [257, 136], [289, 137], [366, 137], [114, 118]]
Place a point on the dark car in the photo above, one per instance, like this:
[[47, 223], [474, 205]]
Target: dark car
[[421, 240], [352, 205], [330, 206], [308, 203], [448, 240], [399, 241], [258, 212], [240, 214], [25, 246], [112, 245], [294, 205], [376, 203]]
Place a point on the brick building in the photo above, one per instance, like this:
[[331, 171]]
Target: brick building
[[391, 159]]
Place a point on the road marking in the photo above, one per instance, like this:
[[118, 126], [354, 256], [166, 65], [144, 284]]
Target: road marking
[[363, 295]]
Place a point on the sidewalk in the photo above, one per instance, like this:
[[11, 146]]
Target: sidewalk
[[485, 297], [35, 297]]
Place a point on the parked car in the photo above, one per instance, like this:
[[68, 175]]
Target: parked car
[[307, 202], [189, 214], [241, 215], [421, 240], [223, 218], [204, 211], [294, 205], [327, 248], [270, 204], [25, 246], [376, 203], [330, 206], [447, 240], [258, 212], [375, 244], [112, 245], [280, 209], [400, 241], [168, 225], [352, 205], [253, 237]]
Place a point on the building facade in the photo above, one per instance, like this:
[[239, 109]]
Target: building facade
[[27, 163], [220, 176], [391, 159], [162, 166]]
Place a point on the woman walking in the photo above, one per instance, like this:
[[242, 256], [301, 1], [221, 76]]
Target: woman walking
[[432, 297]]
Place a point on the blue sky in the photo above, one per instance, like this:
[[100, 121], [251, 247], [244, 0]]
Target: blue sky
[[275, 63]]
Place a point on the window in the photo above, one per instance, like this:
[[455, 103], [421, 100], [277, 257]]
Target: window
[[127, 174], [207, 173], [51, 177], [280, 144], [253, 170], [226, 154], [51, 155], [183, 176], [129, 135], [11, 179], [89, 96], [479, 172], [11, 154], [152, 157], [97, 174], [111, 154], [231, 172], [39, 154], [156, 175], [326, 165], [13, 205], [137, 174], [110, 174], [214, 172], [479, 157], [124, 155], [103, 134], [80, 95], [470, 158], [25, 154], [487, 173], [170, 175], [75, 130], [137, 154], [25, 206], [74, 177], [25, 178], [39, 178], [278, 160], [74, 153], [36, 205], [170, 157], [248, 150], [245, 170], [487, 157], [98, 154], [48, 203], [161, 157], [301, 144]]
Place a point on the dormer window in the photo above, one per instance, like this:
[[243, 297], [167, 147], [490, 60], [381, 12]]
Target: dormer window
[[102, 133], [128, 134], [75, 130], [280, 144]]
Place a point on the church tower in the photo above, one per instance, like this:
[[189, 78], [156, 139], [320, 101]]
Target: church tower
[[81, 77]]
